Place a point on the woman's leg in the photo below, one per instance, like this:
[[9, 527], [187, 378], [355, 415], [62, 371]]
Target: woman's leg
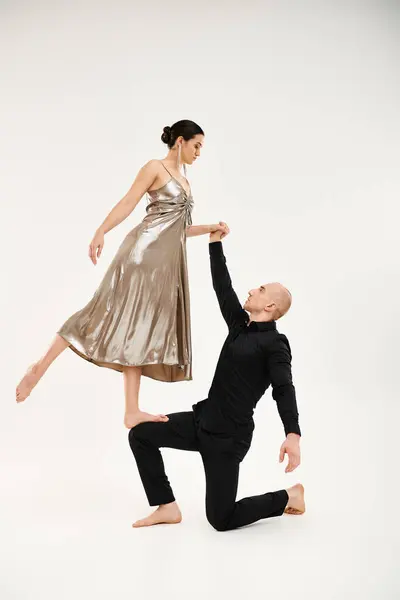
[[38, 369], [133, 415]]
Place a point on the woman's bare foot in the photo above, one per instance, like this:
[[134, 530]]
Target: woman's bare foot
[[296, 504], [27, 383], [165, 513], [133, 419]]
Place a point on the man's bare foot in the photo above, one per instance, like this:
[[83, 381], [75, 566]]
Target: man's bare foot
[[133, 419], [166, 513], [27, 383], [296, 504]]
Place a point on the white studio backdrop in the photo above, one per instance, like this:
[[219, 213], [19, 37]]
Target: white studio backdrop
[[300, 105]]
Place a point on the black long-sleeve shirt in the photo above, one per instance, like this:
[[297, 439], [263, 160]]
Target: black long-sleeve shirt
[[254, 356]]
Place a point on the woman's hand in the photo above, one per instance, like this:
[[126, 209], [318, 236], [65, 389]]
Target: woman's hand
[[218, 232], [96, 246], [195, 230]]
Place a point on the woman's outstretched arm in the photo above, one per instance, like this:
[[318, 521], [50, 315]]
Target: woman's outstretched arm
[[194, 230]]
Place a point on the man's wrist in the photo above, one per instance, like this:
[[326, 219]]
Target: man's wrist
[[291, 426], [294, 436]]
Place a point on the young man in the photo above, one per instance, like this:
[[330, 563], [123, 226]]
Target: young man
[[254, 355]]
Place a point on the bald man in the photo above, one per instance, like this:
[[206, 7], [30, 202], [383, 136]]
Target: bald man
[[254, 356]]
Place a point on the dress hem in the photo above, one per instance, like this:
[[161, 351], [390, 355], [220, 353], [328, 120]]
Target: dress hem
[[118, 366]]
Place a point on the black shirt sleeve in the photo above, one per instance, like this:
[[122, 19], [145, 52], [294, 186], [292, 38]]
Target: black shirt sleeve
[[229, 304], [283, 392]]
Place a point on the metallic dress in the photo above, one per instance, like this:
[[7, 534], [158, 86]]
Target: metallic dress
[[140, 313]]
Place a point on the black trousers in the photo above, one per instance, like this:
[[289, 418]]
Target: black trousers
[[221, 454]]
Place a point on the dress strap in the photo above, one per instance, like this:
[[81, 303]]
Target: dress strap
[[170, 174], [175, 179]]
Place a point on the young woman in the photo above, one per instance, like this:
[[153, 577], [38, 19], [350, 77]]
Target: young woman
[[138, 321]]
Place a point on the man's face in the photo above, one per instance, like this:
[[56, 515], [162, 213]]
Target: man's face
[[259, 298]]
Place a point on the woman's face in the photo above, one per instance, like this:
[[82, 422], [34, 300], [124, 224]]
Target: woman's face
[[191, 149]]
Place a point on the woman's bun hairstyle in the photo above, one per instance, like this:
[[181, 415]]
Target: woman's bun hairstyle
[[166, 135]]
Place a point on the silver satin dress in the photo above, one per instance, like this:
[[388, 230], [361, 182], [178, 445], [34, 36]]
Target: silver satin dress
[[140, 313]]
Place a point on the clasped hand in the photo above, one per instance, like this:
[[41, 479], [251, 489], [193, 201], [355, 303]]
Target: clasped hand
[[218, 231]]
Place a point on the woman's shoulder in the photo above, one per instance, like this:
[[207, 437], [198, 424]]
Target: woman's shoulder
[[152, 166], [151, 170]]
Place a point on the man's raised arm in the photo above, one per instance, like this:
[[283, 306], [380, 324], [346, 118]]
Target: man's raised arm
[[229, 304]]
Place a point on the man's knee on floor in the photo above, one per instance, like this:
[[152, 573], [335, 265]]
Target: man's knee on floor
[[220, 522]]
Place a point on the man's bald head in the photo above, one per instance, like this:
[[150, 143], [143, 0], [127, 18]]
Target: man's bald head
[[271, 300], [280, 296]]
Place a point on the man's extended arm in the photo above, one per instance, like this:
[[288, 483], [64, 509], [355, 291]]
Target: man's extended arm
[[230, 306], [283, 392]]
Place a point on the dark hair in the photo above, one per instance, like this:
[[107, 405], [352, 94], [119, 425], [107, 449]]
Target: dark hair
[[186, 129]]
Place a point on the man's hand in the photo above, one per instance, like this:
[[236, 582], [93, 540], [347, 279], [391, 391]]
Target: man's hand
[[218, 232], [291, 447]]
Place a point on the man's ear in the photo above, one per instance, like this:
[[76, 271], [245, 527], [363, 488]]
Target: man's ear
[[270, 307]]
